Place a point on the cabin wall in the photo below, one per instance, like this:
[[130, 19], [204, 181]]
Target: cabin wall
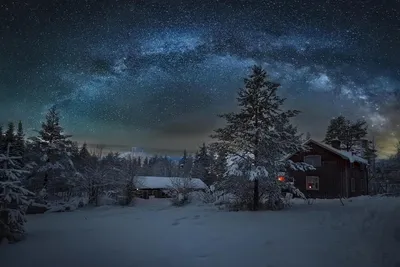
[[156, 193], [331, 173], [358, 172]]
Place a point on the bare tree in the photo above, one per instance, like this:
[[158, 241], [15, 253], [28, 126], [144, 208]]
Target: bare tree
[[96, 179], [131, 182]]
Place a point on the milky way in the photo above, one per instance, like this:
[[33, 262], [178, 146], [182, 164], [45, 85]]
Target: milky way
[[154, 74]]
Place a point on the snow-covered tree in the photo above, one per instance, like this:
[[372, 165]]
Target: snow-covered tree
[[185, 165], [55, 170], [218, 166], [9, 137], [131, 181], [180, 189], [84, 152], [101, 176], [160, 166], [259, 136], [13, 197], [20, 140], [129, 191], [145, 170], [1, 139], [347, 132], [202, 164]]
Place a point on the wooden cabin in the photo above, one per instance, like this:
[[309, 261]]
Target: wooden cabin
[[157, 187], [337, 173]]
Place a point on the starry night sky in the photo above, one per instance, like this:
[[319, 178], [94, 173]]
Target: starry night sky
[[154, 74]]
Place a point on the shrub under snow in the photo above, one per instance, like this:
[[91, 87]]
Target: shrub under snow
[[180, 190]]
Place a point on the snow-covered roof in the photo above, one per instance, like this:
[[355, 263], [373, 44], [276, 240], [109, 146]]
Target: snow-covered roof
[[344, 154], [156, 182]]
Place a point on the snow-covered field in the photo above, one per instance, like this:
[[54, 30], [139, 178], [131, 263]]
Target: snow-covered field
[[365, 232]]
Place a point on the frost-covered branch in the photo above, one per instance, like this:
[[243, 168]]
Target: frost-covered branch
[[13, 197]]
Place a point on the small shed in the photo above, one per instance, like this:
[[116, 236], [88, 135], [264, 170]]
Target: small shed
[[157, 187]]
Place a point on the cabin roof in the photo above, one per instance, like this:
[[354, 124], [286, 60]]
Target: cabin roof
[[344, 154]]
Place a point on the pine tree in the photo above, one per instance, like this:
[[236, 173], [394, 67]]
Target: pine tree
[[182, 163], [202, 165], [74, 150], [347, 132], [129, 191], [185, 165], [139, 162], [84, 158], [84, 152], [1, 139], [55, 168], [145, 170], [20, 141], [259, 135], [218, 162], [160, 166], [13, 197], [9, 137]]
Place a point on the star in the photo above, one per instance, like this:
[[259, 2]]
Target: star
[[156, 75]]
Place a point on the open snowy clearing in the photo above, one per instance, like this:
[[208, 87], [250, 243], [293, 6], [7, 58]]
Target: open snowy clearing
[[364, 232]]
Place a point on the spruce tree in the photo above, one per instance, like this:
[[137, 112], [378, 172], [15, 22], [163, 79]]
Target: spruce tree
[[20, 140], [347, 132], [84, 158], [9, 137], [259, 135], [13, 197], [145, 170], [202, 164], [55, 168], [1, 139], [84, 152], [182, 162], [218, 162], [74, 150], [185, 165]]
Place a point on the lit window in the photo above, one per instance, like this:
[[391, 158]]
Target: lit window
[[281, 178], [314, 160], [312, 182], [353, 185]]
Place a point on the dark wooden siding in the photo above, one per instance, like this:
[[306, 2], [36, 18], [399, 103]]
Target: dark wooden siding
[[331, 174], [358, 172]]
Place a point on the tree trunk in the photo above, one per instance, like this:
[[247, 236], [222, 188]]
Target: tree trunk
[[255, 195]]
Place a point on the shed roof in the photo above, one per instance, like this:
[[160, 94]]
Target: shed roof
[[155, 182]]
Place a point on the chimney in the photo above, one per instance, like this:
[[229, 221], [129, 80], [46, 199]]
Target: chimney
[[335, 144]]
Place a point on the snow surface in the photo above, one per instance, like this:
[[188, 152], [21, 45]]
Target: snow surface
[[365, 232], [155, 182]]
